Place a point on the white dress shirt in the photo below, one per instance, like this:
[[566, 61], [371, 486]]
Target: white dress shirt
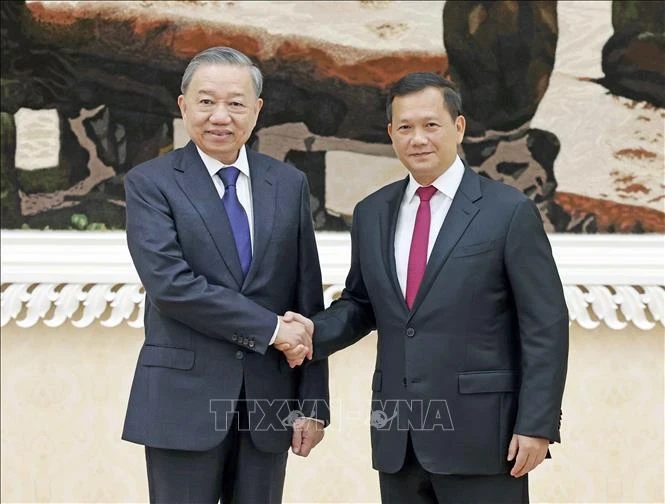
[[447, 184], [243, 190]]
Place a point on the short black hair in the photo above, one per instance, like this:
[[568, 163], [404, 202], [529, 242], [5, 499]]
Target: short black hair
[[417, 81]]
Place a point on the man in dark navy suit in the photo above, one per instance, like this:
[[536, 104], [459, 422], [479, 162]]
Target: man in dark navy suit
[[456, 273], [223, 241]]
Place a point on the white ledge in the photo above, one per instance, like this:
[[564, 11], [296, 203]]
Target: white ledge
[[102, 257], [86, 277]]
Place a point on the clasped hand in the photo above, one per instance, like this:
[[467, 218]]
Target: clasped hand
[[294, 338]]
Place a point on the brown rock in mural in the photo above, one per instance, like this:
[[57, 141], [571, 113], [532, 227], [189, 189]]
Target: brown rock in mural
[[501, 54], [634, 57]]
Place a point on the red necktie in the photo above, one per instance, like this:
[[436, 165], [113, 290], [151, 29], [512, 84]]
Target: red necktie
[[419, 242]]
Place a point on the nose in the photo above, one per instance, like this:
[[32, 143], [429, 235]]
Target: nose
[[419, 137], [220, 115]]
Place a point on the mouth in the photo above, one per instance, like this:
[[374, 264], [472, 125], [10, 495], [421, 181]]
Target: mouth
[[220, 134], [418, 155]]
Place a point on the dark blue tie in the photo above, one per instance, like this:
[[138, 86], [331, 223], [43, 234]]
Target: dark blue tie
[[237, 216]]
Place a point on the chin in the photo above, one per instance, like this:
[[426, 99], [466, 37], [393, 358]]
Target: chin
[[423, 170]]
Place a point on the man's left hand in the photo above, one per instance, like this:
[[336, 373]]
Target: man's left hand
[[307, 433], [530, 452]]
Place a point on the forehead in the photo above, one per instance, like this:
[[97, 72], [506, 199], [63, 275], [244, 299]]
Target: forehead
[[427, 102], [221, 78]]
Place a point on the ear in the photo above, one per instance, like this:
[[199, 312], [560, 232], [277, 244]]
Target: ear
[[182, 105], [390, 130], [259, 105], [460, 126]]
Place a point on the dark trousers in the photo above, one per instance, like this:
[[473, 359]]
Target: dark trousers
[[414, 485], [234, 472]]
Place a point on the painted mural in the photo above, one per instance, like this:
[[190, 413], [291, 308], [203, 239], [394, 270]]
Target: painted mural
[[564, 100]]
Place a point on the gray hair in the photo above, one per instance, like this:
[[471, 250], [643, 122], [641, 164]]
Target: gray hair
[[222, 56]]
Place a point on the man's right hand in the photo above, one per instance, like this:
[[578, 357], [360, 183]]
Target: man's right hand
[[293, 316], [295, 350], [294, 340]]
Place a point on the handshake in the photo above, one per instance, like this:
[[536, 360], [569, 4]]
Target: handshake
[[294, 338]]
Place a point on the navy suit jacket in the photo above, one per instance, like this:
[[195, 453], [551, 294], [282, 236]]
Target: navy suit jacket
[[482, 354], [206, 328]]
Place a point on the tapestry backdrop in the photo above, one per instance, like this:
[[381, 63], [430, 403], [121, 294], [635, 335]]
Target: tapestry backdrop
[[564, 100]]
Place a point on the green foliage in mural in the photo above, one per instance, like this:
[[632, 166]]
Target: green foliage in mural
[[638, 16], [10, 206]]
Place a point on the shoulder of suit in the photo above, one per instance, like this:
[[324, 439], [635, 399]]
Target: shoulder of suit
[[384, 193], [254, 156], [506, 193]]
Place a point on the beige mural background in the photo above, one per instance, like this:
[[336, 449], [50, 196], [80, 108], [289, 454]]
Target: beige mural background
[[64, 392]]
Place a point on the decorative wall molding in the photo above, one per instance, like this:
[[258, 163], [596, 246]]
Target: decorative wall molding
[[590, 305], [88, 277], [54, 304]]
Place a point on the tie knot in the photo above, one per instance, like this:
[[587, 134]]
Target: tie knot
[[229, 175], [426, 193]]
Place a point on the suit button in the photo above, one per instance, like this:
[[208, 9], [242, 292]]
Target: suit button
[[240, 355], [234, 337], [245, 341], [251, 343], [410, 332]]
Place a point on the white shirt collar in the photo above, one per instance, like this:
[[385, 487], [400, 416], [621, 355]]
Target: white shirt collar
[[447, 183], [213, 166]]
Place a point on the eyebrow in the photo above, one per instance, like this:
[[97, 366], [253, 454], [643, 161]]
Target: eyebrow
[[426, 118], [212, 93]]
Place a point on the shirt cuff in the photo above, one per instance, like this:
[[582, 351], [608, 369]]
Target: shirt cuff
[[274, 335]]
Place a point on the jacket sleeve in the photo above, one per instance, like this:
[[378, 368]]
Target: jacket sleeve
[[543, 323], [313, 386], [350, 317], [169, 282]]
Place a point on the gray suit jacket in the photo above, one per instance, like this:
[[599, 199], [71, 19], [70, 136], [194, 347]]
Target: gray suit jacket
[[207, 329], [483, 352]]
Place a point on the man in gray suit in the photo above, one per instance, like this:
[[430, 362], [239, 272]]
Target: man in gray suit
[[456, 273], [223, 241]]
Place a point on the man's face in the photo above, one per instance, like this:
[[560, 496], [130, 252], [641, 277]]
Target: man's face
[[219, 109], [424, 135]]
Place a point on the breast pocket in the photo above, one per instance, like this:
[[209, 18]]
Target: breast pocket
[[474, 249]]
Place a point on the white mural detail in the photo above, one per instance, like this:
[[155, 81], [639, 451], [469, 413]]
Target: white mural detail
[[37, 139]]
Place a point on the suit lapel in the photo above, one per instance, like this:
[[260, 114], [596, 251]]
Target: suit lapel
[[462, 211], [388, 224], [196, 183], [264, 199]]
